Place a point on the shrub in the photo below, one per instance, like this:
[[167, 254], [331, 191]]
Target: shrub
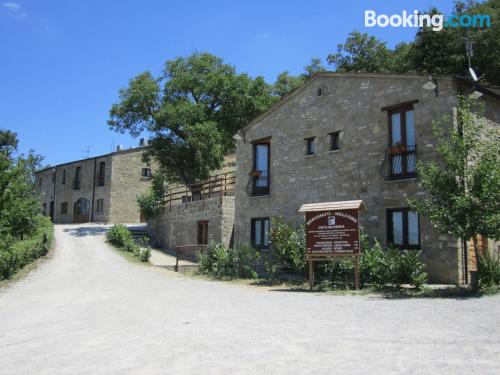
[[221, 262], [289, 246], [488, 268], [144, 254], [119, 235], [14, 255]]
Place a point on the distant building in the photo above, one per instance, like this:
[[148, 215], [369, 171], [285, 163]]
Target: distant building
[[99, 189], [352, 136]]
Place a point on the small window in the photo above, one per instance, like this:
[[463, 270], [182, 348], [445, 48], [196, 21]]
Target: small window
[[310, 146], [39, 180], [76, 184], [320, 92], [203, 232], [53, 177], [64, 208], [102, 171], [260, 233], [334, 141], [45, 209], [403, 228], [64, 177], [146, 172], [100, 205]]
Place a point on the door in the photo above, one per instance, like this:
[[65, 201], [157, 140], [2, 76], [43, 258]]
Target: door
[[81, 211]]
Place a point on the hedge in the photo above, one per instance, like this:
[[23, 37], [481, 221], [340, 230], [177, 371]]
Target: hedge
[[17, 254]]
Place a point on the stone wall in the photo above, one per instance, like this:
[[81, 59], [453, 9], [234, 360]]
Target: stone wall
[[351, 104], [179, 226]]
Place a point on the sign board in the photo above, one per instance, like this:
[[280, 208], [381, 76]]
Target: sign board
[[332, 232], [332, 229]]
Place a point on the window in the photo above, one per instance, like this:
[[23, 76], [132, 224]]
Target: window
[[403, 228], [146, 172], [203, 232], [78, 172], [39, 180], [402, 143], [320, 92], [102, 171], [64, 208], [310, 148], [53, 177], [260, 173], [260, 233], [64, 176], [334, 141], [45, 209], [100, 205]]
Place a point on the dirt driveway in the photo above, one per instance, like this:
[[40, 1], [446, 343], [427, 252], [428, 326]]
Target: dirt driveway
[[89, 311]]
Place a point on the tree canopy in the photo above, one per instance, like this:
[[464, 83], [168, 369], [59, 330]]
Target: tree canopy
[[191, 111]]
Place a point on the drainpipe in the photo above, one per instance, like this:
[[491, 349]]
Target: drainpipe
[[93, 193]]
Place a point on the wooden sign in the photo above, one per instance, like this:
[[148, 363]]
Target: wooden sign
[[332, 229]]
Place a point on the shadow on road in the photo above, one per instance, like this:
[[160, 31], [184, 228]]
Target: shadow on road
[[86, 231]]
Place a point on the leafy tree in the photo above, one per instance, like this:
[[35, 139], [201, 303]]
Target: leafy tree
[[463, 188], [286, 83], [192, 111], [18, 203]]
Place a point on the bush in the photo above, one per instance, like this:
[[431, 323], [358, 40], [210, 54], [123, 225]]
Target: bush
[[488, 268], [14, 255], [289, 247], [221, 262], [119, 235]]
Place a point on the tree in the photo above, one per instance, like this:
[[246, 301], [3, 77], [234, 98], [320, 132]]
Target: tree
[[286, 83], [18, 203], [463, 190], [192, 112]]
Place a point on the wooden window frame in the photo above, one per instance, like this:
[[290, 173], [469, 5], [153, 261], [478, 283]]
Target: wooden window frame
[[267, 190], [101, 174], [202, 232], [390, 239], [100, 205], [64, 177], [146, 172], [401, 110], [262, 220], [335, 141], [78, 177]]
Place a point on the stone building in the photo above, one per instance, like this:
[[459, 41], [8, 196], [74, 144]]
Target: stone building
[[344, 136], [199, 213], [99, 189]]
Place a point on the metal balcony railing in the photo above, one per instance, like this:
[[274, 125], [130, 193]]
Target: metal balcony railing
[[402, 161]]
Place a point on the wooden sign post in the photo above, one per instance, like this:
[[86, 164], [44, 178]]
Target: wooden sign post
[[332, 230]]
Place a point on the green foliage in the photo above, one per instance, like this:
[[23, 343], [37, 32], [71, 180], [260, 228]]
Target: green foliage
[[119, 235], [288, 246], [221, 262], [192, 110], [286, 83], [463, 189], [19, 205], [14, 255], [149, 203], [488, 270]]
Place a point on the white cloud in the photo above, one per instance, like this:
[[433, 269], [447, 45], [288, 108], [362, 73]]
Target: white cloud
[[15, 9], [262, 36]]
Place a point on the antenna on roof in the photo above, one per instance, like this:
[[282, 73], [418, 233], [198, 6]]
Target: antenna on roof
[[87, 151]]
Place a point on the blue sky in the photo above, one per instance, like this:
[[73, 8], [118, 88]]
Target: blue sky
[[63, 62]]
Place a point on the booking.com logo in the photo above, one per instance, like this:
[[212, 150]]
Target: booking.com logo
[[417, 19]]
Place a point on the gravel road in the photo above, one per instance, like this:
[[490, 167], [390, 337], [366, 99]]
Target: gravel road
[[87, 310]]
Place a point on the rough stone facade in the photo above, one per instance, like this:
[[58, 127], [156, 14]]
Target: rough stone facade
[[110, 199], [178, 225], [352, 104]]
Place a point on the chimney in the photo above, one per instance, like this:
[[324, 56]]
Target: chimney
[[142, 142], [119, 148]]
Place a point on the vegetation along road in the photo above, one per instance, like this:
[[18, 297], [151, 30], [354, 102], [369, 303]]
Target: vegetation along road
[[87, 310]]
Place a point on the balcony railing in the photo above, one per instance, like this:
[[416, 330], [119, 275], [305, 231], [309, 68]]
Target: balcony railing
[[402, 161], [219, 185], [261, 182]]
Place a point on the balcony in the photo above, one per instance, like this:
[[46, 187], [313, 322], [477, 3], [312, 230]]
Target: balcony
[[219, 185], [402, 162], [261, 183]]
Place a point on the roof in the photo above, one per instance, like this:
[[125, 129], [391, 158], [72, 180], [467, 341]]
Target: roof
[[327, 206], [133, 149]]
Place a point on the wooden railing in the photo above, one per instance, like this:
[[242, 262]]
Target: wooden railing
[[187, 252], [219, 185]]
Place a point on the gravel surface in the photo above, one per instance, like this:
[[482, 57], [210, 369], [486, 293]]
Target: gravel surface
[[87, 310]]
